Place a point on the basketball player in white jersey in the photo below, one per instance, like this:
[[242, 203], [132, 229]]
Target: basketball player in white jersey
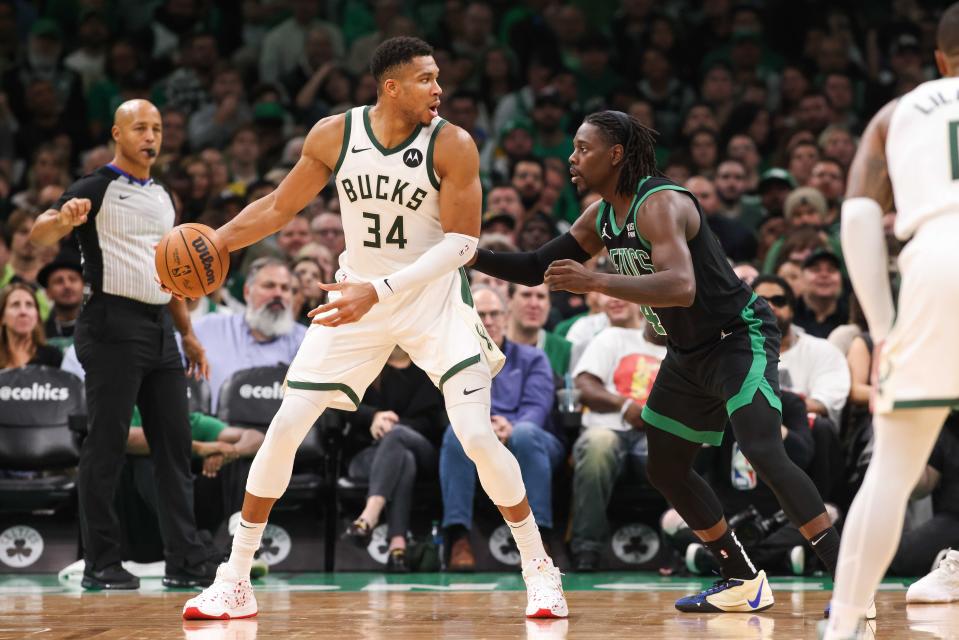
[[909, 151], [410, 196]]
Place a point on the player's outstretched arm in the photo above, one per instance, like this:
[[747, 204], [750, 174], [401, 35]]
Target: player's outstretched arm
[[529, 267], [312, 171], [664, 223], [868, 196]]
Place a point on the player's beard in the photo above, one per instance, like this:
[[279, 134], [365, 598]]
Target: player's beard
[[271, 322]]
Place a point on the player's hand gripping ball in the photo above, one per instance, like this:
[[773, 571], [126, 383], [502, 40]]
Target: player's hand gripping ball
[[192, 261]]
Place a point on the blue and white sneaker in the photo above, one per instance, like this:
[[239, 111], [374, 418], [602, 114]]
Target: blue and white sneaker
[[731, 595]]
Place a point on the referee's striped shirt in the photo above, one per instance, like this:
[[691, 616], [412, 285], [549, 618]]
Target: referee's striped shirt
[[127, 218]]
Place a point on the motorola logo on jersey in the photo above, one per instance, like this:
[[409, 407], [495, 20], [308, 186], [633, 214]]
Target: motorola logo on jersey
[[258, 392], [412, 158], [380, 187]]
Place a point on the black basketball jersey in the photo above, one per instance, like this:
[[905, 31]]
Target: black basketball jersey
[[720, 294]]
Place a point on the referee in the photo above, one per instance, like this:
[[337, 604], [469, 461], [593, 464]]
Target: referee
[[124, 340]]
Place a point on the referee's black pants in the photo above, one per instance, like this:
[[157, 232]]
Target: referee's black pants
[[130, 356]]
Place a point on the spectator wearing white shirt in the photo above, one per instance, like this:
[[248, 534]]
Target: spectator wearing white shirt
[[809, 366], [614, 377]]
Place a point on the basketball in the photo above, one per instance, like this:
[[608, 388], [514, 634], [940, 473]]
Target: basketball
[[191, 260]]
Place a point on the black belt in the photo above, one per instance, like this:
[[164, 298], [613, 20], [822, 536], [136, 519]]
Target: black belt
[[152, 311]]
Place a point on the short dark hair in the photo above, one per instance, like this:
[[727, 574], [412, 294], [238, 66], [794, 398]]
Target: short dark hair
[[530, 159], [768, 278], [395, 52], [833, 161], [503, 185], [733, 160], [464, 94], [15, 221]]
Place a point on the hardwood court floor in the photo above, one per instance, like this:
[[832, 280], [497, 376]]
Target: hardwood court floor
[[605, 606]]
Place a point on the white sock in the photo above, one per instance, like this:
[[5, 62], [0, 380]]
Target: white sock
[[873, 527], [528, 539], [246, 541]]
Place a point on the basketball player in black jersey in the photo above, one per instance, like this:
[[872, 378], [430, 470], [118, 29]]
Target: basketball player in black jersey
[[722, 343]]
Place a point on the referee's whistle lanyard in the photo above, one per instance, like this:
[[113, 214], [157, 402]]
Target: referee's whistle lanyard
[[129, 176]]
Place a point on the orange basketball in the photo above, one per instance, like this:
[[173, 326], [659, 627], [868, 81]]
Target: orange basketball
[[191, 260]]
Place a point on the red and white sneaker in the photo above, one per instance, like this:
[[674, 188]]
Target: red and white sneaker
[[544, 590], [228, 598]]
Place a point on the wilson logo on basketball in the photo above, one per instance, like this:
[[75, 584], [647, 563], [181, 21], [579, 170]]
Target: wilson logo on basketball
[[206, 259]]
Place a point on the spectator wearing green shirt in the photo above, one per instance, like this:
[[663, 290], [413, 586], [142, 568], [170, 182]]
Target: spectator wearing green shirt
[[529, 309], [226, 453], [212, 438], [549, 138]]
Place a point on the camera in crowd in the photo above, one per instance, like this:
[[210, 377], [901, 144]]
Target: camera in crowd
[[752, 527]]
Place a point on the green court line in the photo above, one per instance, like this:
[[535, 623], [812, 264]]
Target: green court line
[[353, 582]]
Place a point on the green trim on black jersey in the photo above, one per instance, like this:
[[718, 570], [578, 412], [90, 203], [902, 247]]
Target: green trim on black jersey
[[346, 141], [662, 187], [376, 143], [430, 171], [756, 377], [326, 386], [629, 212], [677, 428]]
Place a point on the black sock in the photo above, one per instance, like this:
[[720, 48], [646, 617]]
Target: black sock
[[825, 544], [732, 558]]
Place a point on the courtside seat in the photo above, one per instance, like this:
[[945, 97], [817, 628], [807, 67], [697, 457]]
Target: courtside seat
[[250, 398], [38, 404], [198, 395], [38, 455]]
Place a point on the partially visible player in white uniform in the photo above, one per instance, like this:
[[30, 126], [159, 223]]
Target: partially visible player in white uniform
[[410, 197], [911, 150]]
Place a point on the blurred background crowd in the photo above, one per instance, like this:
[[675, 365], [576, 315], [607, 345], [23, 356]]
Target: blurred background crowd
[[758, 106]]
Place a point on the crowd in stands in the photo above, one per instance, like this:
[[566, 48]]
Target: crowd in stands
[[758, 106]]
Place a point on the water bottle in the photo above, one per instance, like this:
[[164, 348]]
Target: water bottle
[[437, 535]]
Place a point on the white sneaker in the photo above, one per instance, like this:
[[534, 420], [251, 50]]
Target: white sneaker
[[228, 598], [544, 590], [941, 585]]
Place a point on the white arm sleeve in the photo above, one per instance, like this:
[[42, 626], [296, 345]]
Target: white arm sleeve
[[864, 250], [450, 254]]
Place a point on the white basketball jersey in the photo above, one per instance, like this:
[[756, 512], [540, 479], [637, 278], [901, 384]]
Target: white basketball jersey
[[922, 152], [389, 198]]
